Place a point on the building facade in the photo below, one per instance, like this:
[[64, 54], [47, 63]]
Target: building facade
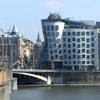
[[38, 46], [11, 48], [28, 54], [69, 44], [98, 30]]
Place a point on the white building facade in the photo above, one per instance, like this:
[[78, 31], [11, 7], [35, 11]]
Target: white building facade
[[71, 45]]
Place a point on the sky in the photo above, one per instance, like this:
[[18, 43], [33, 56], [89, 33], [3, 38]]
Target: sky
[[27, 14]]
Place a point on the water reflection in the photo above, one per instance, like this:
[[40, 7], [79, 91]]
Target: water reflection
[[56, 93]]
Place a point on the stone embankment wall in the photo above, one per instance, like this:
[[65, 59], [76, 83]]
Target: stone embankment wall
[[86, 77]]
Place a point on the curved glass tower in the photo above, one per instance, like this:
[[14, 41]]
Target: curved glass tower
[[69, 44]]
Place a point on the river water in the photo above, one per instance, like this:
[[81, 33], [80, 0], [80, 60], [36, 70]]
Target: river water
[[56, 93]]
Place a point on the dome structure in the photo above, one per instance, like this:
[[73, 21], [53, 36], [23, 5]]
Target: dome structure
[[19, 35], [54, 17]]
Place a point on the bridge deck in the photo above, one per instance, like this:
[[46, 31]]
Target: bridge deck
[[48, 71]]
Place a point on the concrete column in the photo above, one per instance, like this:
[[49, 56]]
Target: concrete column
[[79, 67], [73, 68], [85, 68], [5, 75], [1, 77], [52, 65], [14, 84], [49, 80]]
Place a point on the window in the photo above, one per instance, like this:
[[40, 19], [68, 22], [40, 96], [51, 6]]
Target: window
[[92, 50], [57, 33], [65, 62], [83, 56], [54, 40], [56, 56], [73, 33], [88, 62], [64, 39], [61, 57], [74, 62], [88, 45], [49, 40], [69, 45], [83, 62], [69, 51], [74, 50], [69, 40], [69, 57], [50, 46], [52, 27], [78, 51], [88, 57], [83, 44], [83, 33], [78, 40], [88, 51], [64, 44], [92, 44], [74, 56], [58, 40], [83, 38], [78, 56], [69, 62], [56, 27], [64, 50], [69, 33], [83, 50], [87, 33], [87, 40], [65, 56], [92, 62], [78, 62], [54, 45], [48, 33], [92, 39], [92, 33], [51, 57], [55, 50], [53, 33], [74, 44], [48, 27], [92, 56], [0, 41], [78, 33], [74, 39], [59, 46], [78, 45], [64, 33], [51, 51], [60, 51]]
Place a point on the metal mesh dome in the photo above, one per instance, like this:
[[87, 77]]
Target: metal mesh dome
[[54, 17]]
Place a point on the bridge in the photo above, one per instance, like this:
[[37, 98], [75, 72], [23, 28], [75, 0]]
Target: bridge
[[54, 76], [30, 72]]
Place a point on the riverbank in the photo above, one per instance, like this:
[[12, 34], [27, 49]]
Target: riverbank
[[62, 85]]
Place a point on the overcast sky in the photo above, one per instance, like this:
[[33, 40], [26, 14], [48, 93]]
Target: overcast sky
[[27, 14]]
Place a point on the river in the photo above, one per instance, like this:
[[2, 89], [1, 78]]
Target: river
[[56, 93]]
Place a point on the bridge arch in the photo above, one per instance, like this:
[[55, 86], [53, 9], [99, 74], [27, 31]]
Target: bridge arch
[[33, 75]]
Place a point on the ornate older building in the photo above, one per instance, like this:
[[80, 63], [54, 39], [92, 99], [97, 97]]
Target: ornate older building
[[11, 48]]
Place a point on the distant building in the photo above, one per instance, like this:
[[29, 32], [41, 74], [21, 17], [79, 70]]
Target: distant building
[[37, 50], [11, 48], [69, 44], [28, 54], [98, 30]]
